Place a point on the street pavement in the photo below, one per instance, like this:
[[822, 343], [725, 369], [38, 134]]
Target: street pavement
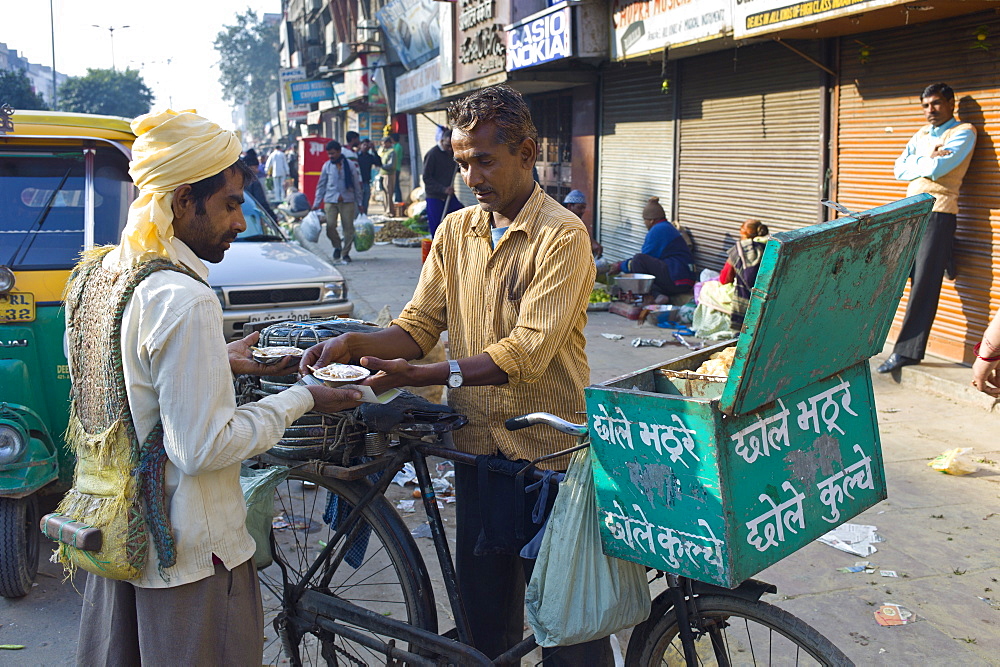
[[940, 531]]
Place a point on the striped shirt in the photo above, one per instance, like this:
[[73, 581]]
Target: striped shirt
[[525, 304]]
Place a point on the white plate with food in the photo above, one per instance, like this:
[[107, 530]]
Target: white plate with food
[[336, 375]]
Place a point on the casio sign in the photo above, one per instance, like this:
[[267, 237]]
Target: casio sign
[[539, 41]]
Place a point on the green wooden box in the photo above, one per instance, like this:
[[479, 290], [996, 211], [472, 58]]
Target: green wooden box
[[718, 479]]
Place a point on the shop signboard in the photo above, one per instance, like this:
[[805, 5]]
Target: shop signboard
[[293, 111], [756, 17], [308, 92], [480, 39], [413, 29], [540, 38], [419, 86], [641, 26]]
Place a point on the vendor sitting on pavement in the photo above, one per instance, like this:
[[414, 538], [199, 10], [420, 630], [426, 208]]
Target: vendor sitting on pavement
[[576, 202], [664, 255], [296, 204]]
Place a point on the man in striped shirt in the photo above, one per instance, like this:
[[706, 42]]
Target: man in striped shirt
[[509, 280]]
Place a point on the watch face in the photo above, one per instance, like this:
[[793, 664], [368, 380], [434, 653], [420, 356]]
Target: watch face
[[455, 380]]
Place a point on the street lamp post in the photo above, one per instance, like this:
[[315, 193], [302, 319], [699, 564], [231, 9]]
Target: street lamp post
[[111, 29]]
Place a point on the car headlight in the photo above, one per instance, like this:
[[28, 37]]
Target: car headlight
[[12, 442], [6, 280], [336, 291], [220, 296]]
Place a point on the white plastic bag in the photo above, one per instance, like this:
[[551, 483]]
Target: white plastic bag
[[576, 593], [310, 227]]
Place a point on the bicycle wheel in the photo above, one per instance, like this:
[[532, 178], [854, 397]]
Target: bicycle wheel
[[380, 569], [744, 632]]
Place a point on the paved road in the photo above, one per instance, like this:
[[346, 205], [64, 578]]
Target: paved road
[[940, 531]]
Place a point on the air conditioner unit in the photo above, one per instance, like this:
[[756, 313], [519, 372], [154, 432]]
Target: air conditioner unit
[[368, 31], [343, 52]]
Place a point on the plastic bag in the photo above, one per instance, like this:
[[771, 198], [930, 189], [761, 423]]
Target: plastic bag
[[311, 227], [258, 494], [955, 462], [364, 233], [576, 593]]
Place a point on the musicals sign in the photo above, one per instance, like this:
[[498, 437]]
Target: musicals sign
[[540, 39], [479, 35]]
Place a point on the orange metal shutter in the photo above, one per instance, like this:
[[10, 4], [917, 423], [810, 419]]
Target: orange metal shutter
[[879, 110]]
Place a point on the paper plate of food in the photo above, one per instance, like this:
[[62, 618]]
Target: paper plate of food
[[274, 354], [336, 375]]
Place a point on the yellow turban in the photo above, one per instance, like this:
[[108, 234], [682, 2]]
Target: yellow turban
[[171, 149]]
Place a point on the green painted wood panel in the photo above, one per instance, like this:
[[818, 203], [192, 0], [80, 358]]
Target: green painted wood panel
[[823, 301]]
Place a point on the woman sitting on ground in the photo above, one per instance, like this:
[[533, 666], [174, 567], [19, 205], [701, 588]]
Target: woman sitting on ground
[[742, 266]]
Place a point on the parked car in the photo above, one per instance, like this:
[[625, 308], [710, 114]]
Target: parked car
[[265, 277]]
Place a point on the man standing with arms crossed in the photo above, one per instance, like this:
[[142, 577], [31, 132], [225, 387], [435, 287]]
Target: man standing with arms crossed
[[338, 191], [509, 280], [156, 370], [934, 161]]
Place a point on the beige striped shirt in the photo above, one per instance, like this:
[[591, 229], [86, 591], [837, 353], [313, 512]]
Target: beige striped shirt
[[525, 304]]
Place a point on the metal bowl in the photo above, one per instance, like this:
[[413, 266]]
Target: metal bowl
[[637, 283]]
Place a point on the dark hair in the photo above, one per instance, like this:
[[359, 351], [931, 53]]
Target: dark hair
[[394, 136], [942, 89], [757, 227], [352, 135], [250, 158], [333, 145], [501, 105], [364, 139], [206, 187]]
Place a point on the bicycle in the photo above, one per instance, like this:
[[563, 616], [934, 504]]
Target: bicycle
[[343, 600]]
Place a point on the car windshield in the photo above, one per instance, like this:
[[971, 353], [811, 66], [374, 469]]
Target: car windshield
[[42, 198], [260, 225]]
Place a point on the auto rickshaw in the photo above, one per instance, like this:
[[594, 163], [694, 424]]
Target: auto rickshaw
[[64, 187]]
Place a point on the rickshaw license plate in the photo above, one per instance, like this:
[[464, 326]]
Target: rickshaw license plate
[[17, 307]]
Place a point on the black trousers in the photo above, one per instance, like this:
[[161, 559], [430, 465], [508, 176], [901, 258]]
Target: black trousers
[[492, 587], [929, 264], [663, 283]]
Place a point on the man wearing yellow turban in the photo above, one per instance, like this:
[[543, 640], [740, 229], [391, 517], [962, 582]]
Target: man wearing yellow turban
[[152, 392]]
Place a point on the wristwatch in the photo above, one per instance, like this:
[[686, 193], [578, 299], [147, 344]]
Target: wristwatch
[[455, 377]]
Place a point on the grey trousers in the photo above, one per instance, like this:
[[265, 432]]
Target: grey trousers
[[346, 211], [215, 621], [929, 264]]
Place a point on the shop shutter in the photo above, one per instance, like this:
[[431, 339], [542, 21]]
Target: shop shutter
[[751, 144], [635, 154], [879, 110]]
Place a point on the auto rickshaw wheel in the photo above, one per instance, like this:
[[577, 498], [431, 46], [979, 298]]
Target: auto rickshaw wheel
[[19, 541]]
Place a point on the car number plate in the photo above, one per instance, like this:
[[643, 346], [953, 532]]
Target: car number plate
[[280, 316], [17, 307]]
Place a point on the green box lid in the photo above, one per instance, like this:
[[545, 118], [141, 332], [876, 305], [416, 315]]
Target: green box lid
[[824, 300]]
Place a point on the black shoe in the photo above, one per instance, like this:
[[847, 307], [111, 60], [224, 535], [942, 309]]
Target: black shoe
[[336, 253], [346, 259], [896, 361]]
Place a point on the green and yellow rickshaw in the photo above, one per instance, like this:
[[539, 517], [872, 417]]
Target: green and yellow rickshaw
[[64, 187]]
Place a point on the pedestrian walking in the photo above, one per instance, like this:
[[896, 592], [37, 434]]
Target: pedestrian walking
[[153, 402], [509, 280], [389, 172], [439, 180], [368, 161], [338, 192], [276, 168], [934, 161]]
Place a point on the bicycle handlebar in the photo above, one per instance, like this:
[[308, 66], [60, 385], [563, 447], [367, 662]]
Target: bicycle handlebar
[[558, 423]]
